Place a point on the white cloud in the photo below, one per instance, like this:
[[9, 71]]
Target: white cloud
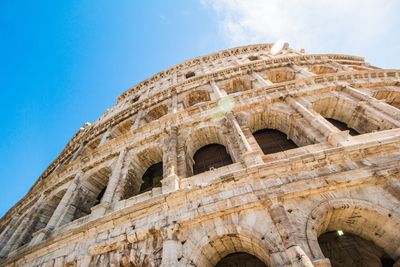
[[316, 25]]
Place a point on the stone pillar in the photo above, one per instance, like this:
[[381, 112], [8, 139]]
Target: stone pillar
[[174, 103], [113, 181], [334, 135], [138, 118], [250, 157], [170, 181], [294, 251], [261, 80], [216, 89], [172, 248], [105, 136]]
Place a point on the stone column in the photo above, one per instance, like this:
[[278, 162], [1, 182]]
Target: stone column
[[170, 181], [261, 80], [216, 90], [113, 181], [296, 255], [250, 157], [334, 135], [105, 136], [172, 248], [138, 118], [174, 103]]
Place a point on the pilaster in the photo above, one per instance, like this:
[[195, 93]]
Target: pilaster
[[170, 181]]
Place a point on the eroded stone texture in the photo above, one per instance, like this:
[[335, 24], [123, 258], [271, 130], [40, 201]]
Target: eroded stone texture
[[98, 204]]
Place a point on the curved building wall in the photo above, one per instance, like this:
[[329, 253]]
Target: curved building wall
[[175, 173]]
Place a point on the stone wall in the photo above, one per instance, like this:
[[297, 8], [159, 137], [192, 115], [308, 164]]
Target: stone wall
[[87, 210]]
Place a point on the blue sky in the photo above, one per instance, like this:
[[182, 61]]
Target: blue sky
[[63, 63]]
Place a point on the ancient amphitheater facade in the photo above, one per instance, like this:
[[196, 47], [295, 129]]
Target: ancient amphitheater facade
[[239, 158]]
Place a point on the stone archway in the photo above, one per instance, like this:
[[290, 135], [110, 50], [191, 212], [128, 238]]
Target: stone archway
[[357, 217], [229, 239]]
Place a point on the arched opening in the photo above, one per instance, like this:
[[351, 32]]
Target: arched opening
[[121, 129], [354, 225], [210, 156], [156, 113], [351, 113], [240, 259], [272, 141], [42, 217], [152, 177], [391, 96], [237, 85], [347, 250], [143, 173], [90, 193], [321, 69], [196, 97], [281, 75], [342, 126]]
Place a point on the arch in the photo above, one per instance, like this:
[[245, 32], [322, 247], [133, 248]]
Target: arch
[[281, 75], [322, 69], [210, 156], [364, 219], [156, 113], [148, 160], [152, 177], [196, 97], [348, 250], [228, 239], [349, 112], [282, 119], [389, 96], [201, 137], [42, 216], [121, 129], [272, 141], [90, 192], [237, 85]]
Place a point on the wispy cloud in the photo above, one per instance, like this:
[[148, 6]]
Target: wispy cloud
[[317, 25]]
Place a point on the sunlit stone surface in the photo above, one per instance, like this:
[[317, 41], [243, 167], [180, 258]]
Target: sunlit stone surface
[[175, 173]]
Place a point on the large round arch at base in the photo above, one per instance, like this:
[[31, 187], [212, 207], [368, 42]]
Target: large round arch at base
[[211, 249], [358, 217]]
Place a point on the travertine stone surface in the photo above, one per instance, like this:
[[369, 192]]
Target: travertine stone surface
[[90, 206]]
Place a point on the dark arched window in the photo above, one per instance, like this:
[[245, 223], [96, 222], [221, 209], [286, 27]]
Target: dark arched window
[[272, 141], [342, 126], [210, 156], [240, 259], [346, 250], [152, 177]]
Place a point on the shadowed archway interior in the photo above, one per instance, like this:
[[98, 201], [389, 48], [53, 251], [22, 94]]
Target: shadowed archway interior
[[210, 156], [152, 177], [272, 141], [347, 250], [240, 259], [342, 126]]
